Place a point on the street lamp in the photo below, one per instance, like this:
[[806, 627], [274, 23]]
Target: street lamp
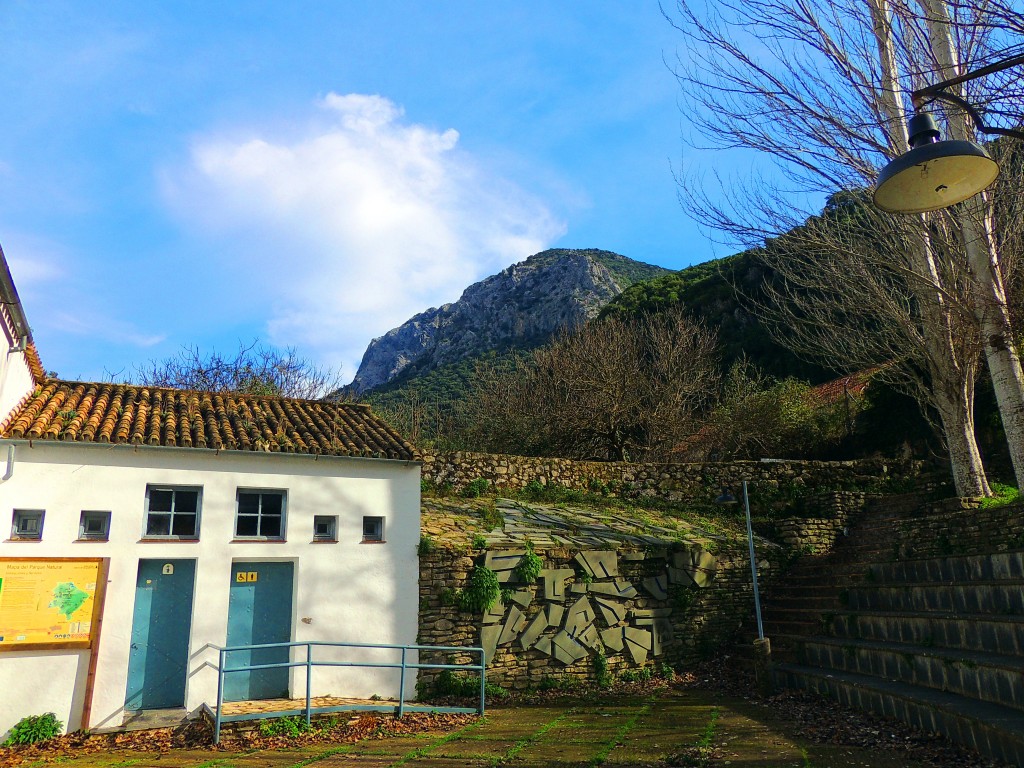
[[728, 498], [936, 174], [762, 646]]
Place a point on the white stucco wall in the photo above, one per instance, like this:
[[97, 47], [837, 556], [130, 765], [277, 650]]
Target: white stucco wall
[[15, 376], [344, 591]]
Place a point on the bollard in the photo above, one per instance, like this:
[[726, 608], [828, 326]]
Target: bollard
[[763, 666]]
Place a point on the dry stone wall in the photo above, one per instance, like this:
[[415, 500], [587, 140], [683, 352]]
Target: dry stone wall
[[671, 482], [958, 527]]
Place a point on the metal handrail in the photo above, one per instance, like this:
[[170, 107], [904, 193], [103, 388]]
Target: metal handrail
[[309, 664]]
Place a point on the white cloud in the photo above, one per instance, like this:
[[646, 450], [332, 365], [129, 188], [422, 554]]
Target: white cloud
[[356, 223], [98, 326]]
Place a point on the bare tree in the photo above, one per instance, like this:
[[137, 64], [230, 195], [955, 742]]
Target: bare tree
[[819, 88], [615, 389], [254, 370], [840, 296]]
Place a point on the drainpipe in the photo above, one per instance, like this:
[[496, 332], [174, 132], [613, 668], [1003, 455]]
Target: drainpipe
[[10, 465]]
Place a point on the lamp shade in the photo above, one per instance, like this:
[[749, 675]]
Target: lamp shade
[[934, 176]]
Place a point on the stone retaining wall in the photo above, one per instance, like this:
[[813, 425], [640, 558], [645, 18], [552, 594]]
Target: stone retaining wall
[[959, 527], [671, 482], [817, 535], [693, 622]]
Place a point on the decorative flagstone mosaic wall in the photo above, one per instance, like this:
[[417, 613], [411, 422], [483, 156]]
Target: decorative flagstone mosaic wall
[[640, 595]]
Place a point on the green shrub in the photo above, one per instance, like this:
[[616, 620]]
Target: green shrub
[[476, 488], [533, 491], [283, 726], [637, 675], [601, 673], [451, 683], [482, 592], [478, 542], [548, 683], [529, 566], [491, 516], [426, 545], [34, 728]]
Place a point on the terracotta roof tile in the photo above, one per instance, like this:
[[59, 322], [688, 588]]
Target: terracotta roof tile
[[35, 365], [72, 411], [834, 391]]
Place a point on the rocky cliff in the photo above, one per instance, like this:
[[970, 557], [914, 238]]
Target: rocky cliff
[[522, 305]]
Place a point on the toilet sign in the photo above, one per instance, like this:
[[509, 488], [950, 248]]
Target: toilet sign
[[167, 570], [242, 577]]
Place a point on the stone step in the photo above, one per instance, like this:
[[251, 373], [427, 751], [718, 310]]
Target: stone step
[[982, 676], [821, 601], [1002, 565], [799, 614], [992, 730], [984, 634], [1003, 598], [827, 577]]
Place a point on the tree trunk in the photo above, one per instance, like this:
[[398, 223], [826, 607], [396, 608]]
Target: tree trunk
[[988, 293], [964, 457], [990, 309], [951, 378]]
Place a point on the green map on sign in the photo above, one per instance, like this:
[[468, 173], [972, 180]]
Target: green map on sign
[[67, 598]]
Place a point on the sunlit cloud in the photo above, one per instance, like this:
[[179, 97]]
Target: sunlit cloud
[[355, 221], [81, 323]]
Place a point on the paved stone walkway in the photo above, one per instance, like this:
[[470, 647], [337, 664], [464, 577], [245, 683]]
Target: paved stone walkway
[[615, 734]]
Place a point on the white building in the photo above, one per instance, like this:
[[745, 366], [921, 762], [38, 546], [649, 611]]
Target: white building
[[142, 526]]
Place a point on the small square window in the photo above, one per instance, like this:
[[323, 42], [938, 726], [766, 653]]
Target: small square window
[[260, 515], [325, 528], [94, 526], [373, 529], [172, 513], [27, 524]]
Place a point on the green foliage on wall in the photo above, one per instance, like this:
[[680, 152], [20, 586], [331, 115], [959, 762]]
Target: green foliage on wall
[[483, 590], [529, 567]]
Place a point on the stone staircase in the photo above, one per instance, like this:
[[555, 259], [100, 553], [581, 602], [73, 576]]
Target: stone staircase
[[916, 615]]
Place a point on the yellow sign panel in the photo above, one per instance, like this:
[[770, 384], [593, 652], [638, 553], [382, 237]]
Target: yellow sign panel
[[47, 602]]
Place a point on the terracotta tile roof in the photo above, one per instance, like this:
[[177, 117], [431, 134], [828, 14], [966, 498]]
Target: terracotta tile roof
[[135, 415], [833, 391], [35, 365]]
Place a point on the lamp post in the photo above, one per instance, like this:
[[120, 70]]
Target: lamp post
[[762, 646], [936, 174]]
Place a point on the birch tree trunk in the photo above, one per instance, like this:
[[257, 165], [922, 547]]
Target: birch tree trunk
[[952, 386], [988, 292], [958, 426]]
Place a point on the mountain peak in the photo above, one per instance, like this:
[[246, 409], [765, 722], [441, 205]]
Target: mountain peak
[[522, 306]]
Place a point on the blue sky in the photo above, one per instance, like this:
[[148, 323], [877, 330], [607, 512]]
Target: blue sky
[[314, 173]]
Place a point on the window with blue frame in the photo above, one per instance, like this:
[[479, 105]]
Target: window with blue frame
[[172, 512], [260, 515]]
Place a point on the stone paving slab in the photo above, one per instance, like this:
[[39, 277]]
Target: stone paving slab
[[550, 736]]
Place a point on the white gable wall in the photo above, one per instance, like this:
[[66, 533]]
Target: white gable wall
[[345, 591], [15, 377]]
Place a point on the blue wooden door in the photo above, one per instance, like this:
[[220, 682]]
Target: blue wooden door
[[259, 611], [158, 659]]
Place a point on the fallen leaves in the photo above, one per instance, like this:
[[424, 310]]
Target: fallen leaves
[[197, 734]]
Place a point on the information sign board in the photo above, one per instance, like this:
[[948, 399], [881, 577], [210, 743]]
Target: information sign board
[[48, 603]]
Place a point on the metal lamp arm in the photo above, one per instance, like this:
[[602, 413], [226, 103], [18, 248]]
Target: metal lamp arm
[[976, 118]]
